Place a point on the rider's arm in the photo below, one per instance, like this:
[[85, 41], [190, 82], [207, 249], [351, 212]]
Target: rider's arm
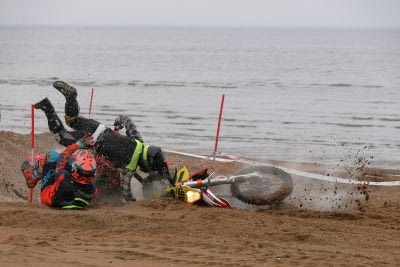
[[130, 127], [64, 156]]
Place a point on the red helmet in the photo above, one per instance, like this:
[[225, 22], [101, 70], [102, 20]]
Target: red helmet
[[83, 167]]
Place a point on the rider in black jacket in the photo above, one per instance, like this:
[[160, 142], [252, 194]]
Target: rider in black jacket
[[124, 152]]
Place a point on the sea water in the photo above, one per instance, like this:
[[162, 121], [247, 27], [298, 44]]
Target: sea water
[[306, 95]]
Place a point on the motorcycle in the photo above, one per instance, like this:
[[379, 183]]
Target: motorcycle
[[255, 185]]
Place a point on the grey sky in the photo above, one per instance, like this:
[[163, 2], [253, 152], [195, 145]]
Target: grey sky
[[292, 13]]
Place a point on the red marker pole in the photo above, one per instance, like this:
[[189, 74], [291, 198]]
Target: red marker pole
[[219, 124], [32, 145], [91, 100]]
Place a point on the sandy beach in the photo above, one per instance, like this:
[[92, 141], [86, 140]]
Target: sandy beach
[[170, 233]]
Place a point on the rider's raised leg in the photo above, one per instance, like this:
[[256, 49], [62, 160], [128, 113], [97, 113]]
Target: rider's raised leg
[[56, 126], [72, 117], [54, 122]]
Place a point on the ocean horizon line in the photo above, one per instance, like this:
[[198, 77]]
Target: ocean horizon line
[[195, 26]]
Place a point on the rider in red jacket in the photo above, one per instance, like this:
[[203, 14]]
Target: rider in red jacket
[[64, 185]]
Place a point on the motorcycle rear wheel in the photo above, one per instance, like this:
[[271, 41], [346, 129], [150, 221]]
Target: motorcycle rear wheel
[[270, 187]]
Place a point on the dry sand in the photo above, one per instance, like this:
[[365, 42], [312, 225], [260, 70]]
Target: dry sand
[[365, 232]]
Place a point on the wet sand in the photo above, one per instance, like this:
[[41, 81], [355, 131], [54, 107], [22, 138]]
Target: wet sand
[[170, 233]]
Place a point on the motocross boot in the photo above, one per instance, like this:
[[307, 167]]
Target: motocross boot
[[54, 122], [45, 105], [64, 88], [71, 103], [27, 169]]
